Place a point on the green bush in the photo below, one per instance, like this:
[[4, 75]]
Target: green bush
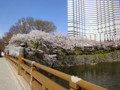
[[35, 43], [39, 54], [78, 51], [61, 53]]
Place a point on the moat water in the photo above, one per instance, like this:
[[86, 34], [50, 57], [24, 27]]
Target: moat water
[[104, 74]]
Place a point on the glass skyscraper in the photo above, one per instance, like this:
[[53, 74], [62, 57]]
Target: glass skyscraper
[[95, 19]]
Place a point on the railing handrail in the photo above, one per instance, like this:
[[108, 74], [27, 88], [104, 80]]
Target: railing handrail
[[82, 83]]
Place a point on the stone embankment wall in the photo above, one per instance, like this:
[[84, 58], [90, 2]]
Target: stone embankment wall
[[80, 60], [77, 60]]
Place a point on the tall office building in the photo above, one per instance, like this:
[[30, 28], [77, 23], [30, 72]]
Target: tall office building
[[95, 19]]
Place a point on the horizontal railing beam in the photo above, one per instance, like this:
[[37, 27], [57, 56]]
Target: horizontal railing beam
[[26, 60], [14, 60], [26, 68], [51, 85], [89, 86], [36, 86], [54, 72]]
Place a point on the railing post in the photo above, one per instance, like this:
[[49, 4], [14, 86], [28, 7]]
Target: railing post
[[31, 71], [74, 86], [21, 55], [73, 83]]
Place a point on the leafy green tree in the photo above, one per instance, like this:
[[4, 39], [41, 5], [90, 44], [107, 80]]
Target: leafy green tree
[[44, 26]]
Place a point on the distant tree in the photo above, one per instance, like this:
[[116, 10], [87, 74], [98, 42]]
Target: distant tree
[[44, 26], [25, 25], [14, 29], [6, 38], [1, 45]]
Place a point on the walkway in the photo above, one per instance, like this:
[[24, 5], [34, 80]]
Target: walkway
[[7, 79]]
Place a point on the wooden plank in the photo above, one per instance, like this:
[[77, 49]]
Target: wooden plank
[[36, 86], [89, 86], [49, 84], [26, 68], [26, 60], [26, 76], [54, 72], [14, 60]]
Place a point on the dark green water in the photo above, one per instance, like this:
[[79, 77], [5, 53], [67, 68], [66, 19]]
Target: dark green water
[[104, 74]]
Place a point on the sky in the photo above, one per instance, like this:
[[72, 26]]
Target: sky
[[51, 10]]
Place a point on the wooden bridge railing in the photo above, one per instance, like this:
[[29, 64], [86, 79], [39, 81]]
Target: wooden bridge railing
[[38, 81]]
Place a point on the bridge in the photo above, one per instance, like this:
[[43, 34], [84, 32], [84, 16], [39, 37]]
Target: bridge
[[7, 79], [18, 73]]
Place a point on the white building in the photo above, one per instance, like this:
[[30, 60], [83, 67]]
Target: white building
[[96, 19]]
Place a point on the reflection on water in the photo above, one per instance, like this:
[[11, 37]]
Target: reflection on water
[[104, 74]]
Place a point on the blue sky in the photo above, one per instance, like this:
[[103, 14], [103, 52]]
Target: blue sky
[[51, 10]]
